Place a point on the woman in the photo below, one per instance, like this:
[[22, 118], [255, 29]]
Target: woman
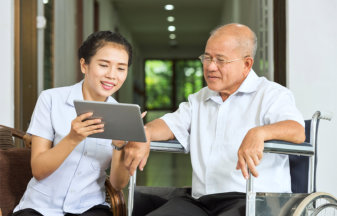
[[68, 167]]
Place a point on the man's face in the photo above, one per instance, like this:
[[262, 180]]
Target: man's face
[[224, 78]]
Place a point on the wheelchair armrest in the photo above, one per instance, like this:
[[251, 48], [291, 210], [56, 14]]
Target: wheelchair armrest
[[272, 146], [173, 146], [283, 147]]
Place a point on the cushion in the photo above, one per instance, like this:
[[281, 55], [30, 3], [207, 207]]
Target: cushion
[[15, 173]]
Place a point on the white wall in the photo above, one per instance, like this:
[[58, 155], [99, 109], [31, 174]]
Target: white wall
[[245, 12], [7, 63], [65, 53], [109, 20], [312, 75]]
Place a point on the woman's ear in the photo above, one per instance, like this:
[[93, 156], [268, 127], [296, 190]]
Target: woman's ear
[[83, 65]]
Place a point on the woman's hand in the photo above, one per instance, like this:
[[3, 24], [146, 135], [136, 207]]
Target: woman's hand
[[45, 159], [82, 126]]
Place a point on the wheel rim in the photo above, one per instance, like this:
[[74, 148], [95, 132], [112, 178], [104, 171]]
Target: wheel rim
[[313, 202]]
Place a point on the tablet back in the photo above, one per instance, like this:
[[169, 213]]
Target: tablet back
[[121, 121]]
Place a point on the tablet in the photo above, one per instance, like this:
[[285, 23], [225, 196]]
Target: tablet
[[121, 121]]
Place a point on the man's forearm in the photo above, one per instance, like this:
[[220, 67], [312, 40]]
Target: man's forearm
[[251, 150], [136, 154], [158, 130], [290, 131]]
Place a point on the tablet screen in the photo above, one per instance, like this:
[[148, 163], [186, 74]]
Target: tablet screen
[[121, 121]]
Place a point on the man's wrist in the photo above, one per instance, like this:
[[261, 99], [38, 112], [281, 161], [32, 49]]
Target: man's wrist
[[258, 132], [147, 133]]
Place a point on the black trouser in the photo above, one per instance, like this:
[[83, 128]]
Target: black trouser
[[99, 210], [223, 204]]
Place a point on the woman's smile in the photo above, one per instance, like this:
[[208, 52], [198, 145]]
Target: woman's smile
[[107, 85]]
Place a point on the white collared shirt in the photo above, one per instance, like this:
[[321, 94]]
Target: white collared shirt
[[212, 131], [78, 184]]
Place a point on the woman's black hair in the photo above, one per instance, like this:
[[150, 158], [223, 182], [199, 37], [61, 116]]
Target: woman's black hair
[[97, 40]]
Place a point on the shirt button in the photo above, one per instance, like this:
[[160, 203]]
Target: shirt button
[[78, 173], [85, 153]]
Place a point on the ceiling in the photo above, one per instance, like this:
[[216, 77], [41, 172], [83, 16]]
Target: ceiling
[[146, 20]]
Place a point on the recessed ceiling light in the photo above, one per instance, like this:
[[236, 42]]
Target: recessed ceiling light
[[170, 18], [45, 1], [172, 36], [171, 28], [173, 43], [169, 7]]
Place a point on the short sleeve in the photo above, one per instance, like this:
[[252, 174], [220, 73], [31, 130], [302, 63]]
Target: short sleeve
[[41, 124], [282, 107], [179, 123]]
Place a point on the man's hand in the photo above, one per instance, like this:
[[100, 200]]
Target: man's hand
[[250, 152], [136, 154]]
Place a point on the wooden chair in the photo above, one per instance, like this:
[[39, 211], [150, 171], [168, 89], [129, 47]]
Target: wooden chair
[[15, 173]]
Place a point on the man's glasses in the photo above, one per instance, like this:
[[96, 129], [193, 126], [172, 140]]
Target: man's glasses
[[220, 62]]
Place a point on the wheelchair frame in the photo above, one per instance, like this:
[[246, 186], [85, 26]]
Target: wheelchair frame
[[267, 204]]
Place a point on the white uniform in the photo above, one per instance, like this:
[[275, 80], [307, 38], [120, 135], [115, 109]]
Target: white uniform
[[213, 130], [78, 184]]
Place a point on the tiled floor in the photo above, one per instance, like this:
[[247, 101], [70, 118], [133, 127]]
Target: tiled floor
[[166, 169]]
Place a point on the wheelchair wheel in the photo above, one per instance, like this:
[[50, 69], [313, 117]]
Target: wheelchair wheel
[[320, 204]]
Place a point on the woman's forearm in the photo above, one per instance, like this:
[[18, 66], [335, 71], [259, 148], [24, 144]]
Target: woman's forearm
[[119, 175], [45, 158]]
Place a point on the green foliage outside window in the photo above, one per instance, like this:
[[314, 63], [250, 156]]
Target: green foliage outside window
[[158, 82], [189, 78]]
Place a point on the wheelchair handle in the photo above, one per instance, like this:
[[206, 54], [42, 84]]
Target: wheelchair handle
[[325, 115]]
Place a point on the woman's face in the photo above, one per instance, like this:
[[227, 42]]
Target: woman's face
[[105, 73]]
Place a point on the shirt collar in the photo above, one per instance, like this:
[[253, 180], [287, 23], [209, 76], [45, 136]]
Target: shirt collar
[[213, 95], [249, 85], [77, 94]]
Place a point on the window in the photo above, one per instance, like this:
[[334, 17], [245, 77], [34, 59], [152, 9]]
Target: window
[[167, 84]]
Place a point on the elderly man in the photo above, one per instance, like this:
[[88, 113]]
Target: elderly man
[[224, 127]]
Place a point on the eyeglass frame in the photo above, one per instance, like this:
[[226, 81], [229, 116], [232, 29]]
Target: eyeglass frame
[[216, 60]]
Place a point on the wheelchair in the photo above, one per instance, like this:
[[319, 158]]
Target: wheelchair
[[303, 162]]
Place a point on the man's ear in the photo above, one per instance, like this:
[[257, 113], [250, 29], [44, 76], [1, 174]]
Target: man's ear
[[83, 65], [248, 64]]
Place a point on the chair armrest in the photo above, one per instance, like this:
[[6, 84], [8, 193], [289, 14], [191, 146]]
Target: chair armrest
[[115, 199], [173, 146], [282, 147], [27, 139]]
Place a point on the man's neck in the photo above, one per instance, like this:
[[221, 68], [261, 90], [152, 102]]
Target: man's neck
[[224, 96]]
